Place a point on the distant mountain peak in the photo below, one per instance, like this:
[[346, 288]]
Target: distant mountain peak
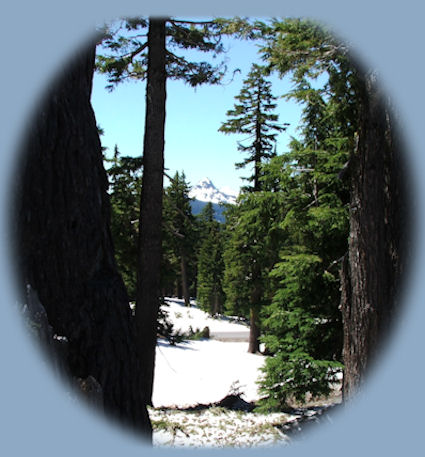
[[205, 191], [205, 182]]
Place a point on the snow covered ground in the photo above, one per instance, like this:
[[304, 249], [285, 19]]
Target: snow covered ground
[[201, 372], [223, 328], [204, 372]]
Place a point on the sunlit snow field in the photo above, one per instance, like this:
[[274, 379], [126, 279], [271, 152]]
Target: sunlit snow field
[[204, 372]]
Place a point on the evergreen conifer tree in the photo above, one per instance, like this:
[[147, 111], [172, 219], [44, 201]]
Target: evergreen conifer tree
[[252, 115], [210, 265], [302, 324], [64, 249], [252, 240], [180, 230], [140, 56], [374, 172], [124, 175]]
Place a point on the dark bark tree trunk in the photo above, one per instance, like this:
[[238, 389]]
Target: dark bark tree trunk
[[254, 318], [64, 247], [372, 270], [178, 289], [150, 241], [184, 279], [254, 331], [217, 305]]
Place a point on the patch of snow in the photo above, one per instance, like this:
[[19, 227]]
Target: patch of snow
[[203, 372], [229, 191]]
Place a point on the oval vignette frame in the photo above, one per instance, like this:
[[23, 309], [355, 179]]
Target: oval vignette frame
[[36, 416]]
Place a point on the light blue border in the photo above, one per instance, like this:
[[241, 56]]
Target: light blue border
[[36, 418]]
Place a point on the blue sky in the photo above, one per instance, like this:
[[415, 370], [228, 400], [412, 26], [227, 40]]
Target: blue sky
[[192, 141]]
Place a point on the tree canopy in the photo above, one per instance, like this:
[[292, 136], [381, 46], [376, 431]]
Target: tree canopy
[[125, 47]]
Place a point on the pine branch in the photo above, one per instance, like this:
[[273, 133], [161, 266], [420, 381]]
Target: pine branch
[[177, 59], [133, 54]]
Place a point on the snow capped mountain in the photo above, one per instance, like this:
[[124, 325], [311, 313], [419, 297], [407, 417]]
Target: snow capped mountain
[[205, 191]]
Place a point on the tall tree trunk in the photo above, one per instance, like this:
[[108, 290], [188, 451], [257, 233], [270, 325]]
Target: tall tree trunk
[[64, 245], [254, 315], [178, 289], [216, 308], [372, 270], [150, 240], [184, 280], [254, 318], [254, 331]]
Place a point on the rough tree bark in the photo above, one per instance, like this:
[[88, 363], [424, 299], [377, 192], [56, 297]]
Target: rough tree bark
[[184, 280], [373, 267], [254, 316], [254, 331], [64, 247], [150, 241]]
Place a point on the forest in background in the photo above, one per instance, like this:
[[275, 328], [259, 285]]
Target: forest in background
[[311, 253]]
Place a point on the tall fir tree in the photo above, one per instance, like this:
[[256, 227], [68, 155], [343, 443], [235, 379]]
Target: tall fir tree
[[303, 325], [252, 240], [180, 231], [253, 115], [210, 295], [140, 56], [124, 175], [379, 205]]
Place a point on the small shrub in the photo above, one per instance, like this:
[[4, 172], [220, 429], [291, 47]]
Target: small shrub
[[198, 334], [293, 377], [165, 327]]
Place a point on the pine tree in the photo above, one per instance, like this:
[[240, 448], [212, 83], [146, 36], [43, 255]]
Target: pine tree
[[378, 252], [129, 57], [179, 230], [125, 50], [252, 240], [379, 209], [210, 295], [124, 189], [150, 216], [302, 325], [253, 115]]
